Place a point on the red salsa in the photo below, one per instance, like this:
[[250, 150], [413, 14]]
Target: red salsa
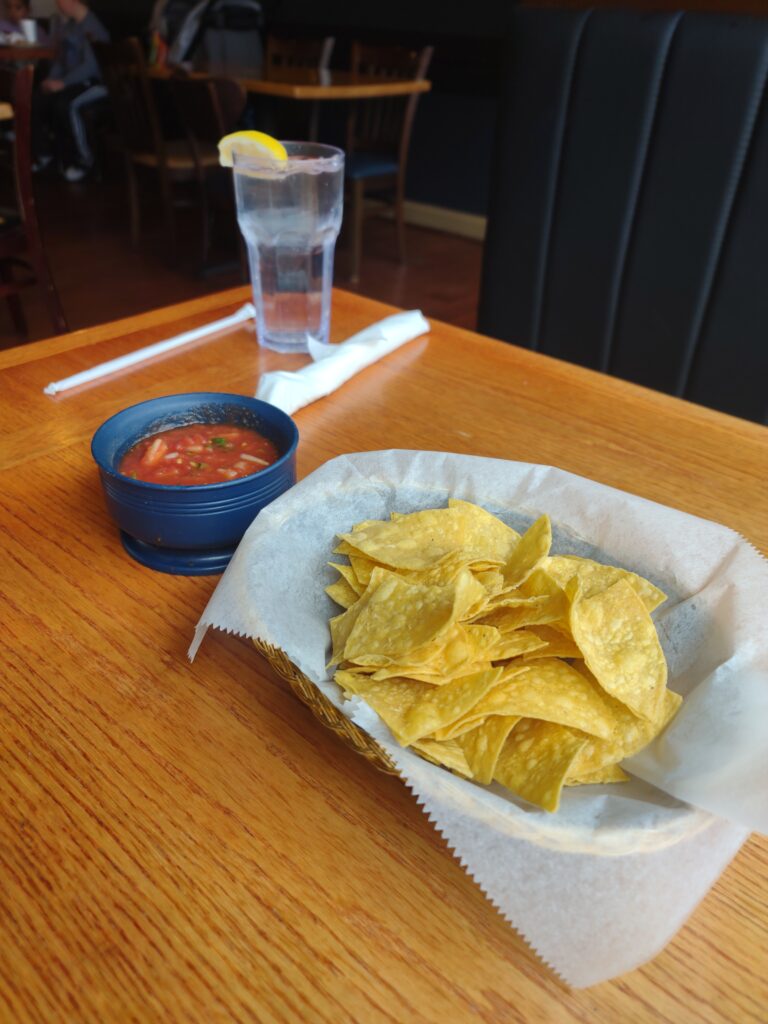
[[199, 453]]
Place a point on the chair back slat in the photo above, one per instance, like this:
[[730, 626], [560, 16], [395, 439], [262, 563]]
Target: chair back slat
[[130, 92], [310, 54], [210, 108], [384, 125]]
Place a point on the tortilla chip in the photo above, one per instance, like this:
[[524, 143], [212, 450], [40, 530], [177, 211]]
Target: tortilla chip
[[554, 644], [629, 736], [618, 640], [553, 691], [525, 611], [536, 759], [420, 539], [348, 573], [533, 546], [482, 746], [400, 616], [611, 773], [342, 593], [595, 577], [449, 754], [414, 710]]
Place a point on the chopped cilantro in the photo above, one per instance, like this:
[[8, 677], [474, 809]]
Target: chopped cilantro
[[220, 442]]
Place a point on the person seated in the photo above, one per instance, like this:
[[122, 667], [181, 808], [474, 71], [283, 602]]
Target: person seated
[[73, 82], [12, 13]]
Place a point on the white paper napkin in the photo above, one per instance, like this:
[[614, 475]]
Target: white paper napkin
[[335, 364]]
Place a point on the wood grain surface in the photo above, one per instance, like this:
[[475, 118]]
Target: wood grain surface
[[184, 843]]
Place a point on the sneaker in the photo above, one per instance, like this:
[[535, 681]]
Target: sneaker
[[73, 174]]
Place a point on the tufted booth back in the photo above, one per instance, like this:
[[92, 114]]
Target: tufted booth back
[[628, 223]]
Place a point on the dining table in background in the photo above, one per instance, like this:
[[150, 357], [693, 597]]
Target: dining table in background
[[311, 84], [185, 842], [27, 53]]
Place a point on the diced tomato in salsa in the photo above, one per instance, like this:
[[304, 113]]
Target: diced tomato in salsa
[[199, 453]]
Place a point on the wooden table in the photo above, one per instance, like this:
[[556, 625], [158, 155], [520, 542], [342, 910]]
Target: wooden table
[[307, 84], [28, 52], [185, 843]]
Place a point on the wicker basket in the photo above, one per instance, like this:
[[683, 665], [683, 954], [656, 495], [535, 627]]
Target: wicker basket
[[324, 710]]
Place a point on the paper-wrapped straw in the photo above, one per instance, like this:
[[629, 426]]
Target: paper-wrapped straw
[[247, 312]]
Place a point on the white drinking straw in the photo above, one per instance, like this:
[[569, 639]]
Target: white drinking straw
[[150, 351]]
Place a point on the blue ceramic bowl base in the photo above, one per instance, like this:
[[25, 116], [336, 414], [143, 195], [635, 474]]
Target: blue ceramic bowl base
[[177, 561], [182, 530]]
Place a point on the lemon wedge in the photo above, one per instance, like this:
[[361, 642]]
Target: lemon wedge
[[250, 143]]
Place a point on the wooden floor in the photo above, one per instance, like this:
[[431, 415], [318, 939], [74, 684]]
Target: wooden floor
[[101, 277]]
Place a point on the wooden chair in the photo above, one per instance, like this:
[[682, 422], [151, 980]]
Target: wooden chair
[[310, 54], [210, 108], [173, 161], [628, 205], [284, 55], [21, 246], [379, 135]]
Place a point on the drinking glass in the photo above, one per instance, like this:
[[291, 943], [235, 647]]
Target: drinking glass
[[290, 213]]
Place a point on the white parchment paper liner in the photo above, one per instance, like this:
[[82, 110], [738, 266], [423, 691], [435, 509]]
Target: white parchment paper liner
[[601, 886]]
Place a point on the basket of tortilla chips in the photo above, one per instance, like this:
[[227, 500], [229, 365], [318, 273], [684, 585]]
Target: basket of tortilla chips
[[497, 633]]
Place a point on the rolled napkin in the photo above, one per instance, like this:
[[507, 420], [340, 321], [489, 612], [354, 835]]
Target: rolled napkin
[[335, 364]]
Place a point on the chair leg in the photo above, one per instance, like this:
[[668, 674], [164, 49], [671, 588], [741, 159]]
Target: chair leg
[[15, 307], [42, 272], [314, 121], [133, 199], [205, 225], [358, 196], [400, 220], [170, 226]]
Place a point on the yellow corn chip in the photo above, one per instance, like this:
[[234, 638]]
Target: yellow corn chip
[[341, 593], [400, 617], [492, 580], [362, 567], [533, 546], [536, 759], [629, 736], [554, 644], [464, 649], [618, 640], [449, 754], [415, 710], [343, 548], [482, 746], [611, 773], [526, 611], [349, 575], [419, 539], [553, 691], [341, 626], [594, 577]]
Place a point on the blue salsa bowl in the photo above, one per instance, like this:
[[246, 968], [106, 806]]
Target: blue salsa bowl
[[190, 530]]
